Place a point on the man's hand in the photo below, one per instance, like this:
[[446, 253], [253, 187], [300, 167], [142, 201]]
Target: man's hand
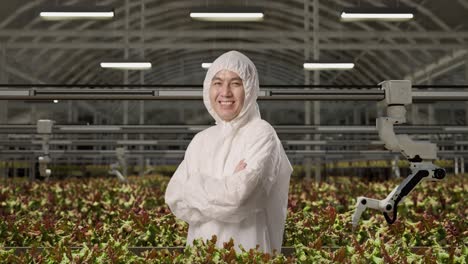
[[240, 166]]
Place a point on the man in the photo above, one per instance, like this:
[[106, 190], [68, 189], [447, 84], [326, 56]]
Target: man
[[234, 179]]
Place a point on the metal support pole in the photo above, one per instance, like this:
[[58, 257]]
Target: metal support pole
[[316, 82], [307, 105], [71, 120], [466, 113], [3, 79], [70, 111], [96, 121], [356, 116], [462, 165], [466, 81], [32, 168], [15, 168], [453, 116], [3, 104], [32, 120], [431, 115], [366, 117], [415, 114], [142, 81], [430, 109], [126, 56], [33, 114]]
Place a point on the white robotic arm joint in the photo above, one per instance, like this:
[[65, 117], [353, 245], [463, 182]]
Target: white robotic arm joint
[[44, 129], [121, 163], [420, 154], [424, 171]]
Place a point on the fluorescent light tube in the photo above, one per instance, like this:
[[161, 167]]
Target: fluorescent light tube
[[127, 65], [373, 16], [206, 65], [232, 14], [316, 66], [75, 15], [233, 17], [77, 12], [56, 101], [385, 14]]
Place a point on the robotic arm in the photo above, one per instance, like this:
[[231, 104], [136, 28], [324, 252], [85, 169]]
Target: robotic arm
[[44, 128], [121, 163], [420, 154], [388, 206]]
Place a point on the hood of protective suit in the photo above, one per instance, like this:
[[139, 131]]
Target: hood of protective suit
[[239, 63]]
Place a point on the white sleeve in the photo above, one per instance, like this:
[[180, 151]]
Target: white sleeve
[[224, 199], [174, 196]]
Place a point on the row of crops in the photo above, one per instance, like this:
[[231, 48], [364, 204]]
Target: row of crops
[[99, 220], [91, 170]]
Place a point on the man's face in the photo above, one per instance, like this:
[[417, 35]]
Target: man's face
[[227, 94]]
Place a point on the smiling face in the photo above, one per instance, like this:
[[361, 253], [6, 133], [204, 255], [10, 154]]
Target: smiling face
[[227, 94]]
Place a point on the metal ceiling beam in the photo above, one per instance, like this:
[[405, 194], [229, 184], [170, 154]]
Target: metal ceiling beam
[[442, 65], [18, 12], [191, 65], [371, 154], [104, 142], [193, 129], [195, 33], [155, 13], [380, 39], [54, 26], [28, 77], [159, 18], [422, 10], [76, 70], [182, 5], [237, 33], [14, 70], [463, 3], [171, 34], [163, 19], [223, 45], [18, 73]]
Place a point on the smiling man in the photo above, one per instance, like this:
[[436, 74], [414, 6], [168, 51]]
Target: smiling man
[[227, 94], [234, 179]]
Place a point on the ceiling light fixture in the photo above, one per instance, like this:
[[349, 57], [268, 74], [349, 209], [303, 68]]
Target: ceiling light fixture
[[126, 65], [384, 14], [227, 14], [74, 12], [206, 65], [317, 66]]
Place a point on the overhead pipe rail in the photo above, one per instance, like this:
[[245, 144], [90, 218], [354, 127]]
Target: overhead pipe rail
[[44, 94], [159, 86], [180, 153], [104, 142], [192, 129]]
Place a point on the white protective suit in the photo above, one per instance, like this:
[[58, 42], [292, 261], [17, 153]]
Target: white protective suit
[[251, 205]]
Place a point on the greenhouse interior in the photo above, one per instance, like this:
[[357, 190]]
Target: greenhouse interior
[[290, 131]]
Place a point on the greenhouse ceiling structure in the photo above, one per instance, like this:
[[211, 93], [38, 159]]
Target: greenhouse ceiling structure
[[429, 48], [57, 67], [134, 131]]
